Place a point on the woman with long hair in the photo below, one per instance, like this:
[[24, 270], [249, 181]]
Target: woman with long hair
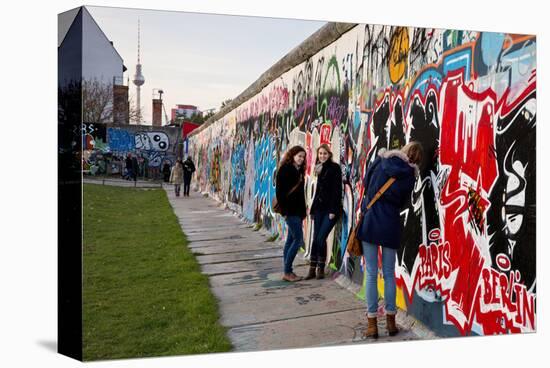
[[325, 210], [381, 226], [176, 176], [291, 199]]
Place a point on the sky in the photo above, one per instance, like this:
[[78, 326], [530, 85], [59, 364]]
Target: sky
[[195, 58]]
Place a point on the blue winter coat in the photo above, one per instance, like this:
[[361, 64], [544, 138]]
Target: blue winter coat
[[382, 222]]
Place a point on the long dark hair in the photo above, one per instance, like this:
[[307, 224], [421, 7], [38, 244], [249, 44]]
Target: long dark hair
[[414, 152], [288, 158], [326, 148]]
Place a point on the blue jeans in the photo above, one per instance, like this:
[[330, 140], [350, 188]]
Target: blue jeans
[[321, 228], [370, 252], [294, 241]]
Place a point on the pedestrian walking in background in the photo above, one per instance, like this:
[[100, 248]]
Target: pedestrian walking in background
[[128, 164], [381, 226], [188, 170], [135, 168], [325, 209], [176, 177], [291, 199], [166, 171]]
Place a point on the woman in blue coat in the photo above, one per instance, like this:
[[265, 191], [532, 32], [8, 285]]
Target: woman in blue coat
[[382, 225]]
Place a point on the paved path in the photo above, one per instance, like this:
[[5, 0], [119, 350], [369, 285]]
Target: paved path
[[260, 311]]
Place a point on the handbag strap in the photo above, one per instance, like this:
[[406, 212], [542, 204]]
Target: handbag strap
[[380, 192], [295, 187], [373, 201]]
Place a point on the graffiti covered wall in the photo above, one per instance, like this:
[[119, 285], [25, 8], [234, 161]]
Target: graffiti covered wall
[[467, 261], [152, 145]]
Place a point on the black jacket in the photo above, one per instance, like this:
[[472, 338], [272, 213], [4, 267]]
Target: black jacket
[[328, 195], [295, 203], [128, 163], [188, 169]]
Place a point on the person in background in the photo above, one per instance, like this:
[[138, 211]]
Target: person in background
[[135, 168], [166, 171], [176, 176], [128, 162], [188, 170]]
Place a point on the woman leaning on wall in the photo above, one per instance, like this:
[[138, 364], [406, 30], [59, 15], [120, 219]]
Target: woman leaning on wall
[[325, 209], [291, 201]]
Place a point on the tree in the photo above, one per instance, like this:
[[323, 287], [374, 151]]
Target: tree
[[199, 118], [99, 105], [208, 115], [97, 101], [196, 118], [134, 114]]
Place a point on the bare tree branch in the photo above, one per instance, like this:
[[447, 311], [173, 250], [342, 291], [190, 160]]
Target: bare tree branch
[[97, 101], [134, 113], [101, 106]]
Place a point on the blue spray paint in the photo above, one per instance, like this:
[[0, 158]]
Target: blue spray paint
[[120, 140]]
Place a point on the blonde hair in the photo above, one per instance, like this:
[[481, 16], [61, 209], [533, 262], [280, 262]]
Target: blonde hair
[[414, 152]]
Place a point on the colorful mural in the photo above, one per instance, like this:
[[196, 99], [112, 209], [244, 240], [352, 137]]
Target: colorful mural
[[467, 261], [106, 146]]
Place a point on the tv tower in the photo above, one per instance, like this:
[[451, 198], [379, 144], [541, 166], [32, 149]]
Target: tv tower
[[138, 80]]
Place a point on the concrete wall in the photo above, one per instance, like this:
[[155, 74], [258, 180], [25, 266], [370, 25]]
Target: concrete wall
[[467, 261], [155, 143], [111, 143]]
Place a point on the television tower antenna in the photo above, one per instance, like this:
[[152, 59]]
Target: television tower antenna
[[139, 80]]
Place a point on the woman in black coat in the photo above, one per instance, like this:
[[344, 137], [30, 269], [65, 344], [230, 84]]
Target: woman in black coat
[[188, 170], [291, 198], [325, 210], [381, 226]]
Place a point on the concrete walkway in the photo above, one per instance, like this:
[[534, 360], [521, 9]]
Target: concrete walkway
[[260, 311]]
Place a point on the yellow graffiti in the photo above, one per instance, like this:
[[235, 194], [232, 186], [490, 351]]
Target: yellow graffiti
[[399, 52], [400, 295]]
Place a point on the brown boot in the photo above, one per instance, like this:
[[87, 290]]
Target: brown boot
[[320, 271], [390, 324], [291, 277], [372, 328], [311, 273]]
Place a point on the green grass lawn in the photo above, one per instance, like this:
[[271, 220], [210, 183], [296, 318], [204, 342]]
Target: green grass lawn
[[143, 291]]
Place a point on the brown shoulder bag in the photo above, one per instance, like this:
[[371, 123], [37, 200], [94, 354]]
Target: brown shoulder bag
[[354, 247]]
